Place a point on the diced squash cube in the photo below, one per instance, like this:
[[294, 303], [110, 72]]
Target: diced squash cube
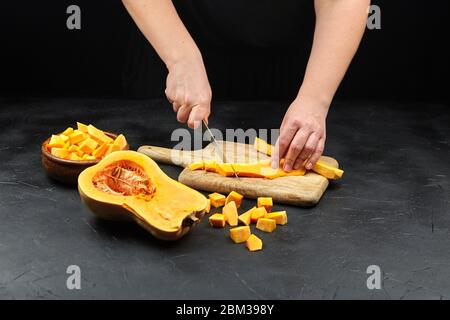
[[280, 217], [56, 142], [60, 153], [236, 197], [217, 220], [208, 206], [84, 157], [327, 171], [245, 218], [230, 213], [111, 148], [73, 156], [90, 158], [257, 214], [121, 141], [64, 137], [265, 202], [77, 136], [82, 127], [73, 148], [254, 243], [217, 199], [80, 153], [68, 131], [100, 151], [67, 145], [88, 145], [240, 234], [98, 135], [266, 225]]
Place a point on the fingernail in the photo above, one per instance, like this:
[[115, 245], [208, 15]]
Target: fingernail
[[309, 166], [287, 167]]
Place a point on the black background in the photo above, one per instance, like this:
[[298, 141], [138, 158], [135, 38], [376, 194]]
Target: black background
[[406, 60]]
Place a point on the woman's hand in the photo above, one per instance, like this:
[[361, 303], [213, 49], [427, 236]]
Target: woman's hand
[[188, 89], [302, 135]]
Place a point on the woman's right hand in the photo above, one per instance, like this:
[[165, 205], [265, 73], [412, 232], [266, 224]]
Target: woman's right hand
[[188, 89]]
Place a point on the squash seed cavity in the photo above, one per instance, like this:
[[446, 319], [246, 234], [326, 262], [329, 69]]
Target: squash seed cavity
[[125, 178]]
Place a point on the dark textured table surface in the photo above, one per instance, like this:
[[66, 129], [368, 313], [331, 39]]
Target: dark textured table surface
[[391, 209]]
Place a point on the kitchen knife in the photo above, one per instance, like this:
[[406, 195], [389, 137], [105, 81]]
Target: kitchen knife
[[214, 141]]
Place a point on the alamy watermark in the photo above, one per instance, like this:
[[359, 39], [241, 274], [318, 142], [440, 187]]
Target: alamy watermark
[[374, 280], [73, 21], [74, 280], [374, 19], [186, 141]]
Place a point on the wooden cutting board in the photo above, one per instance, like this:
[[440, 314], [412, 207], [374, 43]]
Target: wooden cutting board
[[296, 190]]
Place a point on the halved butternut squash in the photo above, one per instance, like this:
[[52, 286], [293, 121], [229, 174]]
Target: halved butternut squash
[[129, 185]]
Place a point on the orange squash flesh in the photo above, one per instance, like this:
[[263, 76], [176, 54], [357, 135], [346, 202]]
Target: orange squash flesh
[[240, 234], [261, 169], [257, 214], [327, 171], [245, 218], [254, 243], [280, 217], [85, 143], [217, 220], [266, 225], [262, 146], [129, 185], [265, 202], [230, 213], [208, 206], [217, 199], [236, 197]]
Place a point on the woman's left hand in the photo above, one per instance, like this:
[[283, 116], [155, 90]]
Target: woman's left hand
[[302, 135]]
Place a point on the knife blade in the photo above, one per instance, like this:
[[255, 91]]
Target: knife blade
[[222, 155]]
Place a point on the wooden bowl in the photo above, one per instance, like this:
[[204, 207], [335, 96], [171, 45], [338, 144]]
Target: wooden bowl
[[66, 171]]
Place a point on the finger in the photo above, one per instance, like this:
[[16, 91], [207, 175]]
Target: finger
[[198, 113], [296, 146], [169, 95], [308, 150], [287, 133], [299, 163], [176, 105], [183, 114], [316, 155]]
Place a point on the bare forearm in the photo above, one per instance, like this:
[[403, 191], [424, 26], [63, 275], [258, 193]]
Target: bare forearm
[[340, 25], [163, 28]]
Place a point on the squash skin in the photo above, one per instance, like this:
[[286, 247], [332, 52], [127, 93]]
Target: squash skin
[[113, 207]]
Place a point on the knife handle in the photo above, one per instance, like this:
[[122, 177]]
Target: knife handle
[[180, 158]]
